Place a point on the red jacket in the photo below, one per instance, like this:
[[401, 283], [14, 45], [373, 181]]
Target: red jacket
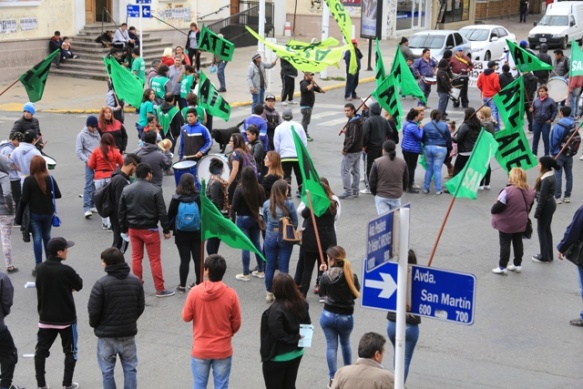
[[488, 83], [102, 167]]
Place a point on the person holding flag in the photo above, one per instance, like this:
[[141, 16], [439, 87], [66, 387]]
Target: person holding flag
[[466, 138], [559, 136]]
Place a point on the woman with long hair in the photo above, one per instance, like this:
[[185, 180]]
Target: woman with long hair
[[37, 194], [146, 110], [436, 140], [510, 217], [240, 157], [545, 187], [217, 192], [187, 239], [339, 286], [109, 124], [280, 334], [247, 200], [179, 51], [276, 251], [272, 162], [411, 144], [104, 160], [466, 138]]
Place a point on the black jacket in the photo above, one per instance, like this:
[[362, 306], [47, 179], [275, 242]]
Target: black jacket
[[466, 138], [55, 283], [339, 298], [443, 81], [376, 129], [545, 195], [287, 69], [308, 97], [326, 231], [116, 302], [22, 125], [280, 330], [181, 236], [141, 206], [353, 136], [119, 180], [505, 79]]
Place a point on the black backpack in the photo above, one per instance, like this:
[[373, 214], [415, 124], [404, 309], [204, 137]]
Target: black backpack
[[103, 200], [573, 145]]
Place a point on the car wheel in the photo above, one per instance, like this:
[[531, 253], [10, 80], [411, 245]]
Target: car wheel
[[487, 56], [564, 43]]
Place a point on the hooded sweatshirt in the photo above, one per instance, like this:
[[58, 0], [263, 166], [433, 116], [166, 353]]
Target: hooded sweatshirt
[[87, 141], [21, 157], [558, 132], [376, 129], [6, 297], [158, 160], [488, 83], [214, 310]]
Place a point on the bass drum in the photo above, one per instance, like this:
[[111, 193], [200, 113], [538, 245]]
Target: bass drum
[[205, 163], [558, 88]]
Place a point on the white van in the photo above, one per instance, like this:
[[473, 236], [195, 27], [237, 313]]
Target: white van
[[562, 22]]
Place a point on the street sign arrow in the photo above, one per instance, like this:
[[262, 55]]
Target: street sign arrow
[[388, 286], [146, 13]]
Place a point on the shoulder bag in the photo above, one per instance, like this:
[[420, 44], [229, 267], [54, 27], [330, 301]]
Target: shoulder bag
[[56, 219], [527, 234], [575, 253]]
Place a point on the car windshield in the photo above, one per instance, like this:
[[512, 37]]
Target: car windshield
[[554, 20], [474, 34], [428, 41]]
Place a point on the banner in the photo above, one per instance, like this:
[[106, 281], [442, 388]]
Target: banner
[[576, 68], [381, 73], [387, 95], [211, 42], [211, 100], [342, 17], [525, 61], [315, 60], [35, 78], [510, 104], [127, 85], [514, 149], [402, 72], [466, 183]]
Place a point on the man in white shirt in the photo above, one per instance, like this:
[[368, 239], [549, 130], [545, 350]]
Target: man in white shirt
[[283, 141]]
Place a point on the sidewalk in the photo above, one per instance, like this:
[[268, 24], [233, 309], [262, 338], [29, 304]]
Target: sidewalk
[[76, 95]]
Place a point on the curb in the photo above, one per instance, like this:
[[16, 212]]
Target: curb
[[17, 107]]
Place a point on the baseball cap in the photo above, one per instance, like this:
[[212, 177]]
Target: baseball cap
[[459, 48], [287, 114], [270, 96], [58, 244]]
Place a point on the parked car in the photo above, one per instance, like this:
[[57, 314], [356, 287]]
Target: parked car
[[487, 40], [438, 41]]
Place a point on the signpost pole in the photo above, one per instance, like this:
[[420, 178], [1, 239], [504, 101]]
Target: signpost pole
[[401, 298], [140, 27]]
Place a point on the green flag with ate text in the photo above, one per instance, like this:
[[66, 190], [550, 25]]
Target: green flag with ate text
[[380, 66], [387, 95], [213, 43], [211, 100], [576, 68], [525, 61], [510, 104]]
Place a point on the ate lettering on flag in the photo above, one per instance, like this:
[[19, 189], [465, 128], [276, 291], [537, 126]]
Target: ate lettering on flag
[[212, 100], [211, 42], [514, 150], [510, 103], [387, 95]]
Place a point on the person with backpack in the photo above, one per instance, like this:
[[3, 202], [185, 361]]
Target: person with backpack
[[184, 220], [240, 157], [560, 135], [247, 200]]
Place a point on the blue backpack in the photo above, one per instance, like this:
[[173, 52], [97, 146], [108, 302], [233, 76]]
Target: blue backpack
[[188, 217]]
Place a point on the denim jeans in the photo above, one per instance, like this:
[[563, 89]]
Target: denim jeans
[[434, 157], [411, 336], [100, 184], [107, 351], [257, 98], [201, 370], [221, 74], [275, 253], [337, 327], [495, 115], [580, 270], [41, 234], [442, 104], [88, 190], [251, 229], [538, 129], [350, 168], [385, 204], [566, 164], [573, 100], [351, 85]]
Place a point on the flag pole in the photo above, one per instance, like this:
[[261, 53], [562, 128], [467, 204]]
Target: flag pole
[[203, 185], [357, 109], [313, 216], [10, 86], [568, 141]]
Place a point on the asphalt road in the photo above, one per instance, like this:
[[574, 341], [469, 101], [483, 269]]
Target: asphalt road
[[521, 337]]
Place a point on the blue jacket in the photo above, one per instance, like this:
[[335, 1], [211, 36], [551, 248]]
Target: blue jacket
[[436, 134], [194, 139], [261, 124], [574, 231], [544, 110], [273, 222], [412, 136], [558, 132], [347, 58]]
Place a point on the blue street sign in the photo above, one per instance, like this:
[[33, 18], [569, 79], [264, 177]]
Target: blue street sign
[[435, 293], [144, 1], [133, 11], [146, 11]]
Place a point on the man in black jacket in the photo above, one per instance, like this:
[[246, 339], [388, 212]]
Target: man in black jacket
[[115, 304], [119, 180], [141, 207], [351, 149], [376, 131], [288, 78], [308, 87], [55, 284], [8, 352]]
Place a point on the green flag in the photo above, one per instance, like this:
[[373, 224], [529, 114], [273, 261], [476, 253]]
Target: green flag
[[525, 61], [576, 68], [387, 95], [381, 74], [34, 79], [214, 225], [466, 183], [342, 17], [128, 86], [211, 42], [510, 104], [310, 179], [211, 100], [402, 72], [514, 149]]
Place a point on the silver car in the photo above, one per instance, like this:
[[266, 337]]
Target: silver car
[[438, 41]]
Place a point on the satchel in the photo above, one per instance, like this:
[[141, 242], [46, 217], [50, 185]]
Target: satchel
[[527, 234], [575, 253], [287, 232], [261, 223], [56, 219]]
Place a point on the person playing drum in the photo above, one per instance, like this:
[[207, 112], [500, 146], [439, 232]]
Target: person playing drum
[[425, 67], [195, 139], [461, 65]]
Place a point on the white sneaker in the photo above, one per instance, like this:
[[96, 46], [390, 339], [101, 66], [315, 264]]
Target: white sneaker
[[581, 158], [94, 210], [487, 187], [258, 274], [499, 270], [566, 200], [269, 298], [365, 191], [88, 214], [243, 277], [481, 187], [284, 103], [516, 269], [292, 102], [558, 201]]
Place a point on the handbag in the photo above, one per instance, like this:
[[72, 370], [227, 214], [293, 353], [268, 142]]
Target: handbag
[[575, 253], [56, 219], [261, 223], [287, 232], [527, 234]]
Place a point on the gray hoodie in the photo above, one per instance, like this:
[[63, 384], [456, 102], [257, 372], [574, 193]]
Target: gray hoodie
[[87, 141], [21, 157], [158, 160], [6, 203]]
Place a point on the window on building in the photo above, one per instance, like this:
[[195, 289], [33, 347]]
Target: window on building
[[457, 10]]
